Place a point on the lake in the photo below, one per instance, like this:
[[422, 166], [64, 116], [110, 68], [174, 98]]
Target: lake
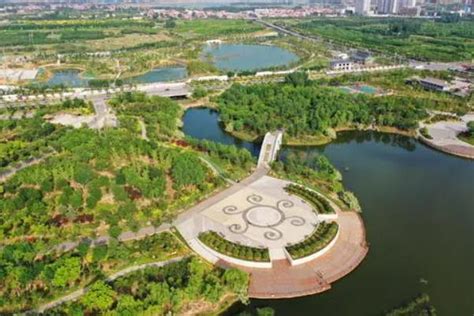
[[245, 57], [418, 208]]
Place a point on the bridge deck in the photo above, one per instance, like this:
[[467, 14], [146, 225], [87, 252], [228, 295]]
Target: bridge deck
[[270, 147]]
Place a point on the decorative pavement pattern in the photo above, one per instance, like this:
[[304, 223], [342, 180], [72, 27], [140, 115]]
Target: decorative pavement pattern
[[264, 216]]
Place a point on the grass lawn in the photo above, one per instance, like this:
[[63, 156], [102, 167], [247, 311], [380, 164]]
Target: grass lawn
[[217, 27]]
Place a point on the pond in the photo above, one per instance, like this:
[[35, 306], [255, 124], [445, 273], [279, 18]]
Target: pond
[[203, 123], [69, 78], [245, 57], [73, 78], [418, 207], [160, 75]]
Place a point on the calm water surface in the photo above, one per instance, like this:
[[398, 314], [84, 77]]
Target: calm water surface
[[160, 75], [244, 57], [69, 78], [73, 78], [418, 207]]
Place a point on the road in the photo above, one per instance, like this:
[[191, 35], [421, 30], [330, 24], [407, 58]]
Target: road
[[172, 89], [288, 31]]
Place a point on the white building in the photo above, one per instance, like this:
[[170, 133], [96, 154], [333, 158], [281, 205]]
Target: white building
[[362, 7], [341, 64]]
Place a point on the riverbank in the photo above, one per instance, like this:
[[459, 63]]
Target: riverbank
[[318, 140]]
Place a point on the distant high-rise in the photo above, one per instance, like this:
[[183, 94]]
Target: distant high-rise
[[388, 6], [362, 7]]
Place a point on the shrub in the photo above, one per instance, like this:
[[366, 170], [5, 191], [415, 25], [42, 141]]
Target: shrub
[[319, 239], [321, 204], [214, 241]]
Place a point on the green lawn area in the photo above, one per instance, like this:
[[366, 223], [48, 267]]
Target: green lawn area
[[217, 27], [414, 38]]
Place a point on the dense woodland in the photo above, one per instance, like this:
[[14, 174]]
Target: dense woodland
[[162, 291], [311, 109], [109, 178], [30, 274], [432, 40], [109, 181], [106, 182]]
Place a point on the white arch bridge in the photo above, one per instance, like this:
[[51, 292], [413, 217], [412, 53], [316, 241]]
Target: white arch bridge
[[270, 147]]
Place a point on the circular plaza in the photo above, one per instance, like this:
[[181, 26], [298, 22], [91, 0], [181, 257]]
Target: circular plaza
[[292, 240]]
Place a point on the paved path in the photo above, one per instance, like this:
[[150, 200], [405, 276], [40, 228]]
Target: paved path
[[143, 129], [6, 174], [78, 293], [445, 137]]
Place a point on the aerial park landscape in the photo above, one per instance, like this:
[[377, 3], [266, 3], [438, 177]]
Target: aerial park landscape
[[235, 161]]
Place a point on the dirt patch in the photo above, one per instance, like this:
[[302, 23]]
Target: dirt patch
[[133, 193], [170, 191]]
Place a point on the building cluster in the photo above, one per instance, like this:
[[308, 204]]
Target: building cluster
[[406, 7], [277, 12], [458, 86], [358, 59]]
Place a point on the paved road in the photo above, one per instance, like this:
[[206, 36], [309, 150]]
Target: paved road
[[288, 31]]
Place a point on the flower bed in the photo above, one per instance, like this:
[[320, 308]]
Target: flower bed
[[320, 238], [321, 204], [214, 241]]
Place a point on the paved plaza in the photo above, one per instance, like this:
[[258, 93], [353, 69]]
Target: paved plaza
[[445, 137], [262, 215]]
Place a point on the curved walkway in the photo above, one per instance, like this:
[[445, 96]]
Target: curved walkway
[[445, 137], [78, 293]]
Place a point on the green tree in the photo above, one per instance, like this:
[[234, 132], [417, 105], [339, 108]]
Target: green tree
[[128, 306], [170, 24], [470, 126], [265, 311], [99, 297], [187, 170], [237, 281], [297, 78], [196, 277], [68, 271]]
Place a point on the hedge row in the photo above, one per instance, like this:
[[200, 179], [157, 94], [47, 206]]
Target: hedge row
[[320, 238], [214, 241], [320, 203]]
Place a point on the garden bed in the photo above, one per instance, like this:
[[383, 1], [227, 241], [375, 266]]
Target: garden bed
[[321, 204], [320, 238], [216, 242]]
